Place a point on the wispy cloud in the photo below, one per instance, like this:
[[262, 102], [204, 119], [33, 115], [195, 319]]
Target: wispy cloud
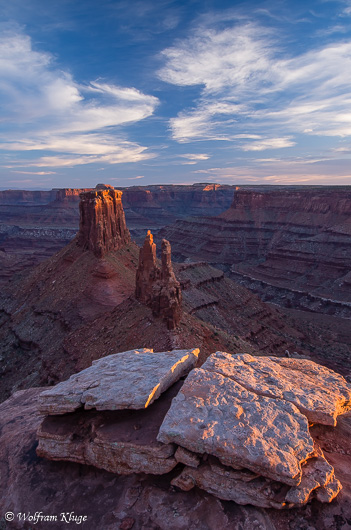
[[293, 170], [35, 172], [270, 143], [250, 85], [45, 109], [195, 156]]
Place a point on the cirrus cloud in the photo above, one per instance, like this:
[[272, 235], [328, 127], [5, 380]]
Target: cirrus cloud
[[45, 109], [249, 85]]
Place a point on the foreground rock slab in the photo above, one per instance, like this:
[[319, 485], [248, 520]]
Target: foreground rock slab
[[244, 487], [128, 380], [214, 414], [318, 392], [122, 442]]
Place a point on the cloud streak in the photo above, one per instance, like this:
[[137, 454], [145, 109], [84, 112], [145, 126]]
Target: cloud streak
[[249, 85], [44, 109]]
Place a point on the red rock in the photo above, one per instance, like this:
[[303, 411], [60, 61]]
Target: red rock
[[148, 271], [288, 243], [158, 287], [127, 523], [102, 222]]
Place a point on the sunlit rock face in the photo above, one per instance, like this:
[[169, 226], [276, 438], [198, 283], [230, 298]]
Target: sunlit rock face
[[215, 415], [128, 380], [102, 222], [319, 393], [157, 286], [148, 271], [242, 426]]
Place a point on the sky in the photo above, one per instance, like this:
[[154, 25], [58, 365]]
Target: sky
[[174, 92]]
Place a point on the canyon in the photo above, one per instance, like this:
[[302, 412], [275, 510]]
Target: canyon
[[99, 284], [36, 224], [100, 292], [154, 423], [292, 245]]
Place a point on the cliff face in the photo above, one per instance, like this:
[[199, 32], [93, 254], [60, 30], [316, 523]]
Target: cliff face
[[198, 199], [295, 240], [102, 222], [26, 197], [158, 287]]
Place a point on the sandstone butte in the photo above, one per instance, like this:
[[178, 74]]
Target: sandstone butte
[[102, 225], [158, 287], [232, 442]]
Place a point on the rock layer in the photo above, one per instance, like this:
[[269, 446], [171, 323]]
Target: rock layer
[[158, 287], [128, 380], [122, 442], [251, 446], [244, 487], [319, 393], [102, 222], [291, 244]]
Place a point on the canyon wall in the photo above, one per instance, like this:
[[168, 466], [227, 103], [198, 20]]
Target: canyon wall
[[286, 244]]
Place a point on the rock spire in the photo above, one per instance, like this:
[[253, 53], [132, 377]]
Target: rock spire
[[157, 286], [102, 222]]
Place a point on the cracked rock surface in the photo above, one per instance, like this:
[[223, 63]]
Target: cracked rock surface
[[318, 392], [128, 380], [213, 414]]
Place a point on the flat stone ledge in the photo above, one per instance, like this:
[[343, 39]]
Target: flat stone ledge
[[127, 380]]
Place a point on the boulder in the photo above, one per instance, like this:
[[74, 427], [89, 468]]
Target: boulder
[[128, 380], [318, 392], [214, 414]]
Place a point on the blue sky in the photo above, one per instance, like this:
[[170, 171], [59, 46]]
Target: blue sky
[[139, 92]]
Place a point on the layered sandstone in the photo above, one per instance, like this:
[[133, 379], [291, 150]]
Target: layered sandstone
[[122, 441], [244, 487], [157, 286], [291, 244], [102, 226], [30, 483], [215, 415], [249, 451], [119, 435]]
